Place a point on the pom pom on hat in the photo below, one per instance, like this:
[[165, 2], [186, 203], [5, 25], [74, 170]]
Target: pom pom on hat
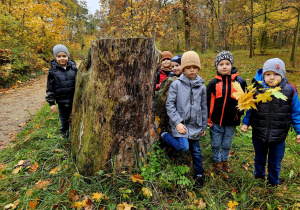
[[190, 58], [60, 48], [224, 55], [166, 54], [276, 65], [177, 59]]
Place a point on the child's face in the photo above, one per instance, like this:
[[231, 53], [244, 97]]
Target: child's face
[[191, 72], [272, 79], [176, 68], [166, 63], [62, 59], [224, 67]]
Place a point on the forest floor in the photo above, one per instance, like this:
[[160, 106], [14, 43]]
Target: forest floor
[[18, 104]]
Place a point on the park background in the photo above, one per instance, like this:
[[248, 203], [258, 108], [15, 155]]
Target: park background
[[253, 30]]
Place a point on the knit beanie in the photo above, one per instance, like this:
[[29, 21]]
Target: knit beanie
[[60, 48], [276, 65], [166, 54], [224, 55], [177, 59], [190, 58]]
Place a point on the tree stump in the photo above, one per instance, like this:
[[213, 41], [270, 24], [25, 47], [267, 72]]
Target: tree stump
[[113, 110]]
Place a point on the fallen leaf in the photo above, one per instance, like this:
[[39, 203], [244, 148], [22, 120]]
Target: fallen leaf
[[77, 175], [232, 204], [146, 192], [246, 166], [32, 204], [125, 206], [97, 196], [200, 204], [20, 163], [54, 170], [29, 193], [34, 167], [17, 170], [12, 205], [42, 184], [138, 178]]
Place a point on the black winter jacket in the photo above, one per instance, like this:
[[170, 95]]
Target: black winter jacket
[[61, 83], [272, 120]]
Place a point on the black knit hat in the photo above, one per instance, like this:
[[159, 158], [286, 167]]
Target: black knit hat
[[224, 55]]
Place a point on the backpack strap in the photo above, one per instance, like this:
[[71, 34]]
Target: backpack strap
[[292, 87]]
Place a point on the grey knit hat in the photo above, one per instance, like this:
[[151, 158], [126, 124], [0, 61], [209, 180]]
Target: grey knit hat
[[224, 55], [60, 48], [276, 65]]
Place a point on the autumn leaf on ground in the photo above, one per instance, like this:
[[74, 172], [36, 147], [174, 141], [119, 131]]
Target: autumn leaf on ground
[[192, 195], [34, 167], [41, 184], [146, 192], [17, 170], [138, 178], [32, 204], [97, 196], [77, 175], [232, 205], [54, 170], [246, 166], [29, 193], [13, 205], [200, 204], [125, 206]]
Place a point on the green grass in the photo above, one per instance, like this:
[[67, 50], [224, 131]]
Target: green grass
[[168, 176]]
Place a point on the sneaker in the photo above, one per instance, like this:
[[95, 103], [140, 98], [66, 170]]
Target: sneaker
[[161, 141], [199, 181]]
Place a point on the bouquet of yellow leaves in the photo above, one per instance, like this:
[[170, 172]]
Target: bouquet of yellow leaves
[[247, 101]]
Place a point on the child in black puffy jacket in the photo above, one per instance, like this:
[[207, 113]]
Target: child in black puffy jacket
[[61, 85]]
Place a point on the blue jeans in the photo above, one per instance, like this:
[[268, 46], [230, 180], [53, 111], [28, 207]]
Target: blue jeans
[[275, 152], [182, 145], [221, 136]]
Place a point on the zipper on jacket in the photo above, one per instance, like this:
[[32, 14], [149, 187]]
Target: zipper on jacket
[[269, 120], [224, 103]]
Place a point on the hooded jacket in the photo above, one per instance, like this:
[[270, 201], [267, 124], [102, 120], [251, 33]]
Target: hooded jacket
[[221, 103], [272, 119], [61, 83], [186, 104]]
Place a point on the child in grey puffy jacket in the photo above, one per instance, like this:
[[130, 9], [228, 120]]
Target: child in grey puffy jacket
[[187, 110]]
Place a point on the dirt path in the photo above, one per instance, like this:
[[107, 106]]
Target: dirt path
[[15, 101]]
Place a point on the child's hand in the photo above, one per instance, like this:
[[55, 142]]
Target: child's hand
[[53, 108], [244, 128], [181, 128], [298, 139], [210, 124], [203, 133]]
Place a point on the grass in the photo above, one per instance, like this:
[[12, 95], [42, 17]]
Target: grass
[[167, 176]]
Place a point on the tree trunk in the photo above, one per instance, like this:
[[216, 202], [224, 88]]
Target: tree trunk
[[113, 109], [295, 43], [251, 31], [187, 24]]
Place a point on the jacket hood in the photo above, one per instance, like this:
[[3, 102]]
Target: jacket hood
[[259, 78], [233, 71], [198, 81], [56, 66]]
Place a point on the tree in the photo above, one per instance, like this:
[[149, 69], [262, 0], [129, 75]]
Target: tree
[[113, 110]]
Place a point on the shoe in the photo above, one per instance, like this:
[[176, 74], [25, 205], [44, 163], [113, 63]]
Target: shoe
[[161, 141], [226, 167], [199, 181], [219, 170]]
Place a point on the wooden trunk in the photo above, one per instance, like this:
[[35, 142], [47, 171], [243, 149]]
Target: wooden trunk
[[113, 109]]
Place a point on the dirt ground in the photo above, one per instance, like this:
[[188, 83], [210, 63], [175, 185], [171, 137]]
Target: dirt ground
[[17, 104]]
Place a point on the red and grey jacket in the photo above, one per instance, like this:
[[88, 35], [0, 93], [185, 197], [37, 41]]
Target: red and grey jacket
[[161, 75], [221, 104]]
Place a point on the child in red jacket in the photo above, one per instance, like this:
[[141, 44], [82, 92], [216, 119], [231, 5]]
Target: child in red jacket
[[165, 70]]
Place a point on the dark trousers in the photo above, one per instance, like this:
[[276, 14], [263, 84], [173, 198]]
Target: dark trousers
[[275, 153], [64, 117]]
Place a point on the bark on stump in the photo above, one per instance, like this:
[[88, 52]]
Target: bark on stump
[[113, 109]]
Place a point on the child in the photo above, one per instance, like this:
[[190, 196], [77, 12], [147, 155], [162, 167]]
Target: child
[[165, 70], [61, 85], [162, 94], [223, 114], [271, 121], [187, 110]]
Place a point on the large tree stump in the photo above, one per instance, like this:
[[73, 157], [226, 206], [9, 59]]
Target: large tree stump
[[113, 110]]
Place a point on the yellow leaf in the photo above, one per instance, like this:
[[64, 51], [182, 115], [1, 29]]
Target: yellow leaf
[[20, 163], [41, 184], [247, 101], [200, 204], [97, 196], [12, 205], [239, 91], [34, 167], [138, 178], [125, 206], [264, 97], [77, 175], [16, 170], [232, 204], [32, 204], [146, 192], [29, 193], [54, 170]]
